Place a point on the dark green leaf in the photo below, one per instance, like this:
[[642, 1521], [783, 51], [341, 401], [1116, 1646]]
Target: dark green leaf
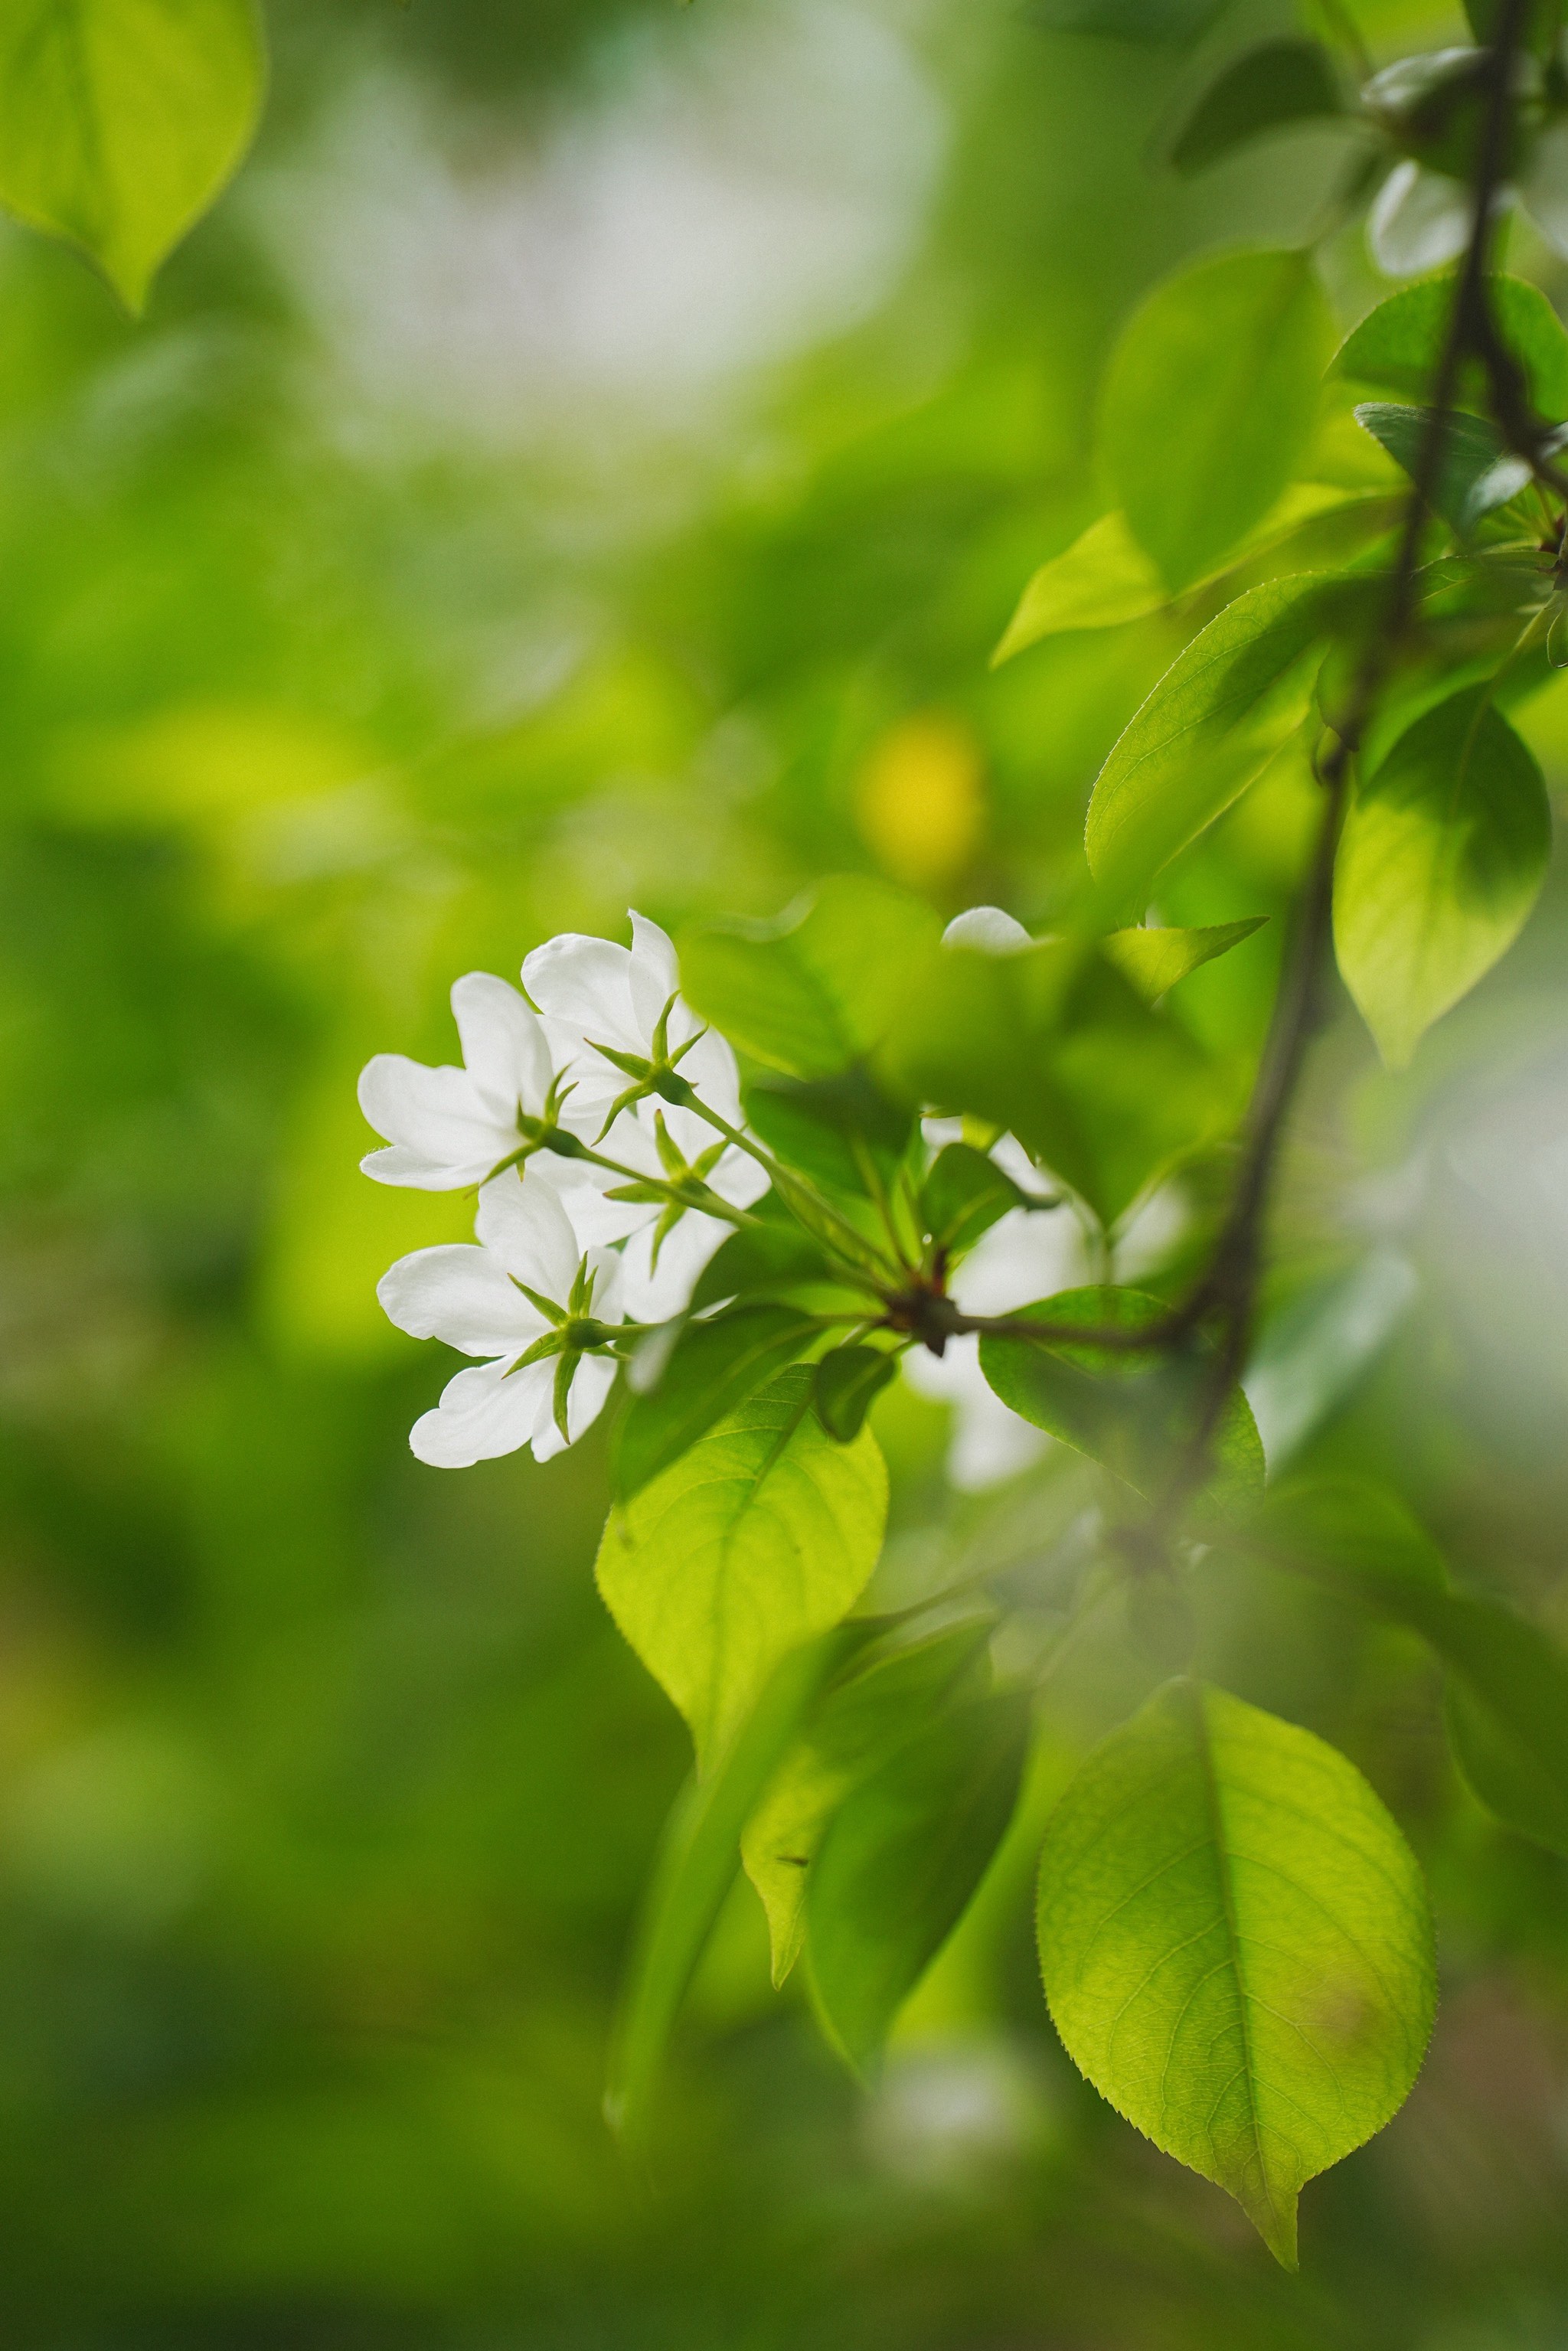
[[1442, 857], [849, 1381], [899, 1860], [120, 119], [698, 1858], [1268, 89], [842, 1131], [712, 1367], [752, 1543], [1134, 1412], [1478, 472], [963, 1194], [1236, 1946], [1209, 398], [883, 1702], [1397, 346], [772, 1256], [815, 991]]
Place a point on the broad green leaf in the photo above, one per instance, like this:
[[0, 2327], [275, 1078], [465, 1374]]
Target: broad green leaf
[[1102, 580], [712, 1367], [815, 991], [761, 1260], [1266, 89], [900, 1859], [1055, 1046], [1236, 1946], [1478, 471], [1507, 1681], [1136, 1412], [1442, 857], [1208, 401], [757, 1540], [849, 1381], [1396, 347], [840, 1131], [1155, 960], [120, 120], [880, 1703], [963, 1194], [699, 1856], [1312, 1351], [1213, 722]]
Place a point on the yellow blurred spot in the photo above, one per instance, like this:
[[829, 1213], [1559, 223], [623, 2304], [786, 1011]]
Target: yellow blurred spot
[[203, 766], [920, 801]]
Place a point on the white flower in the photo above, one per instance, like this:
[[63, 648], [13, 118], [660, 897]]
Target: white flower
[[449, 1127], [468, 1295], [593, 993], [987, 928], [1421, 219]]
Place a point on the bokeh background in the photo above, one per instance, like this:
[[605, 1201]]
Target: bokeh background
[[586, 460]]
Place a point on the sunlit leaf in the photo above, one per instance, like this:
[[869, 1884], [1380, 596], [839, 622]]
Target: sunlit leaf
[[757, 1538], [1208, 401], [713, 1366], [1102, 580], [1236, 1946], [1155, 960], [1278, 84], [120, 119], [1442, 857]]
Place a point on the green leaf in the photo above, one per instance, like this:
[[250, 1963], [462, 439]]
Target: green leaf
[[1150, 22], [963, 1194], [849, 1381], [815, 991], [712, 1367], [122, 120], [840, 1131], [1311, 1352], [1444, 854], [1507, 1681], [1397, 346], [1155, 960], [1213, 722], [878, 1705], [1478, 472], [1135, 1412], [770, 1255], [699, 1859], [1209, 399], [1102, 580], [901, 1857], [1266, 89], [1053, 1044], [757, 1540], [1236, 1946]]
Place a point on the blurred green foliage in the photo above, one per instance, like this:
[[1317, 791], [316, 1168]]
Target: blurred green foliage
[[326, 1785]]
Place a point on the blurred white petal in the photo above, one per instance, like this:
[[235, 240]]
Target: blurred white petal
[[1418, 221], [1543, 190], [987, 928]]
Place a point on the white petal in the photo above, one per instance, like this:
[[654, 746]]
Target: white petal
[[989, 1442], [522, 1221], [739, 1179], [1545, 187], [459, 1293], [652, 1293], [655, 976], [504, 1045], [398, 1164], [1419, 220], [597, 1221], [591, 1387], [435, 1113], [987, 928], [584, 984], [483, 1414], [711, 1069], [609, 1285]]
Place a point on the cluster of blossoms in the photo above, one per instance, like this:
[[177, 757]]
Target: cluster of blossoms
[[603, 1188]]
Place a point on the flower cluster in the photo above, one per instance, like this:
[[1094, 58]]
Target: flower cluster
[[601, 1124]]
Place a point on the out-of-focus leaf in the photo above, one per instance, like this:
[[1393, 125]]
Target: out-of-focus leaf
[[880, 1701], [1213, 722], [712, 1367], [1151, 22], [1396, 347], [1236, 1946], [842, 1131], [849, 1381], [1208, 401], [1442, 857], [699, 1856], [1507, 1681], [120, 119], [900, 1859], [769, 1256], [1476, 473], [815, 991], [1135, 1412], [1155, 960], [1268, 89], [1102, 580], [755, 1541], [1310, 1355], [963, 1194]]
